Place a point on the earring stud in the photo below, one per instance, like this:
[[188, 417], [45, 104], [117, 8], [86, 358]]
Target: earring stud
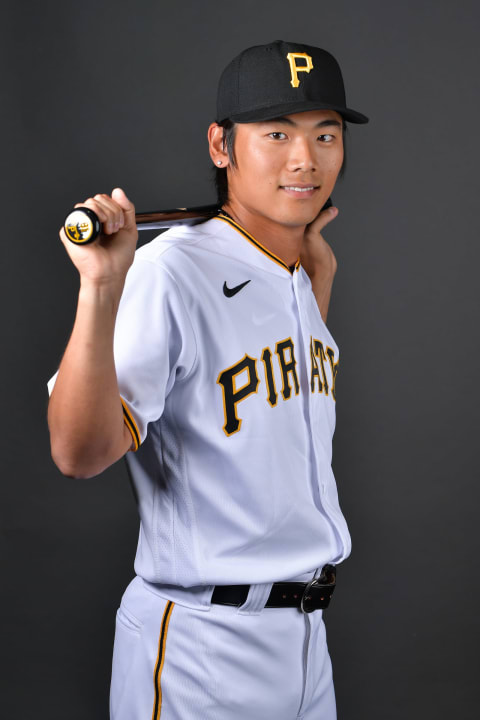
[[219, 162]]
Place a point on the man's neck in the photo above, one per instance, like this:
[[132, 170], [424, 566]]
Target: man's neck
[[282, 240]]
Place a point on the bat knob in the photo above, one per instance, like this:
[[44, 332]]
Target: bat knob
[[82, 226]]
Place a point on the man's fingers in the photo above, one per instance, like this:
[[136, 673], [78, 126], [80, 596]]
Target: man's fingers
[[109, 212], [323, 219], [128, 207], [115, 216], [90, 203]]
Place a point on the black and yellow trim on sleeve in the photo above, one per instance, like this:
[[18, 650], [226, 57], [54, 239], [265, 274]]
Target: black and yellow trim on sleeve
[[258, 245], [131, 425], [157, 705]]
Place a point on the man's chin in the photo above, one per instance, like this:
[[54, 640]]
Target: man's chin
[[300, 218], [299, 213]]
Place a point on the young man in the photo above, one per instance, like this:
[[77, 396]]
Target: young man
[[207, 356]]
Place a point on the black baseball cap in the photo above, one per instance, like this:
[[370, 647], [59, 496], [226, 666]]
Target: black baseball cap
[[269, 81]]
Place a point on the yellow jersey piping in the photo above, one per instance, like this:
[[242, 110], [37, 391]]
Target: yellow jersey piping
[[258, 245], [131, 425]]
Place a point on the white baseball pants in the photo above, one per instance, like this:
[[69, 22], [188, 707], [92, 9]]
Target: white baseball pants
[[178, 657]]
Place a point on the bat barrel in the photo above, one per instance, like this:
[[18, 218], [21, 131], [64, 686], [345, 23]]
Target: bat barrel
[[177, 216]]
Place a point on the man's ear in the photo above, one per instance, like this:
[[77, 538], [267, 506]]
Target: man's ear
[[215, 145]]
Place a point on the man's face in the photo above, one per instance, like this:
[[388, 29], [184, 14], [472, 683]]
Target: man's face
[[286, 168]]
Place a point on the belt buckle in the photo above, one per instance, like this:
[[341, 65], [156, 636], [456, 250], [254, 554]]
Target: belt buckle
[[328, 575]]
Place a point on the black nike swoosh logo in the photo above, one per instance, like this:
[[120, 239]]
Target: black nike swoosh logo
[[230, 292]]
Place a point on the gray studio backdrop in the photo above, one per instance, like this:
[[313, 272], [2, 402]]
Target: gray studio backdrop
[[99, 94]]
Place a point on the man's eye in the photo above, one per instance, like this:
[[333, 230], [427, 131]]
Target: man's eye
[[277, 135], [326, 138]]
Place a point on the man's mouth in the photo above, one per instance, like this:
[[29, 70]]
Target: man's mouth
[[299, 190]]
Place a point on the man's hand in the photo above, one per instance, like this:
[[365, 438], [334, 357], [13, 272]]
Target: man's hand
[[106, 261], [85, 413], [318, 259]]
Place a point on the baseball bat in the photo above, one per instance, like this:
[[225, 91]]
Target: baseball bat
[[82, 225]]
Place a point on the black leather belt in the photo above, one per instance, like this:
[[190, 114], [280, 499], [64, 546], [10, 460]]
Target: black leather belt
[[310, 596]]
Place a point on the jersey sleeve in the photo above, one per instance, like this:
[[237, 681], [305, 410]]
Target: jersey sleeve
[[154, 344]]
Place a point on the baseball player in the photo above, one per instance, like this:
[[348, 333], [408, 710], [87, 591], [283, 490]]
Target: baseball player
[[205, 358]]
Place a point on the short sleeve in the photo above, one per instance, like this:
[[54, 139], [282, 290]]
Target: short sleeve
[[51, 383], [154, 344]]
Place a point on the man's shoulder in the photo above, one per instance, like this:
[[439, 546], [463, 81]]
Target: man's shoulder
[[171, 263], [177, 241], [185, 250]]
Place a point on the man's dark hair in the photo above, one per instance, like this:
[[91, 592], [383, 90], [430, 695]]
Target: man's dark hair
[[221, 180]]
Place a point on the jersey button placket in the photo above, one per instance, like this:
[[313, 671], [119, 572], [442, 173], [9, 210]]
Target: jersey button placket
[[325, 506], [305, 331], [304, 327]]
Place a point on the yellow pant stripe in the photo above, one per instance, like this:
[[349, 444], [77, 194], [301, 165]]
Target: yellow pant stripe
[[157, 706]]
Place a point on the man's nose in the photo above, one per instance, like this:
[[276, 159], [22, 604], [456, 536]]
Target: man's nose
[[301, 156]]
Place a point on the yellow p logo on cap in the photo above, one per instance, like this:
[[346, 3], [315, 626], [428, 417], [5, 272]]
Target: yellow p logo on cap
[[295, 69]]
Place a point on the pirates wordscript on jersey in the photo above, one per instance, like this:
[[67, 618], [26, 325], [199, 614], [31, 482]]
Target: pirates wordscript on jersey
[[235, 391]]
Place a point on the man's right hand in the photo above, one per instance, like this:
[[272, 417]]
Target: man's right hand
[[85, 413], [106, 261]]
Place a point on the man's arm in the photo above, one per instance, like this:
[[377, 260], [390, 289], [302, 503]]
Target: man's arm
[[319, 261], [85, 414]]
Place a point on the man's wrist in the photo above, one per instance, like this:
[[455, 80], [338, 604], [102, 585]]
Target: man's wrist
[[322, 271], [101, 291]]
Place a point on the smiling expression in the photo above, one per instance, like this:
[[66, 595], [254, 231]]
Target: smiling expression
[[286, 168]]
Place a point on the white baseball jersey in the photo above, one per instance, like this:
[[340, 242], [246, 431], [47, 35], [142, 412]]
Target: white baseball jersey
[[226, 372], [227, 375]]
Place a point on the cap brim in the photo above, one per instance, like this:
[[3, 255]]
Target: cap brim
[[275, 111]]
